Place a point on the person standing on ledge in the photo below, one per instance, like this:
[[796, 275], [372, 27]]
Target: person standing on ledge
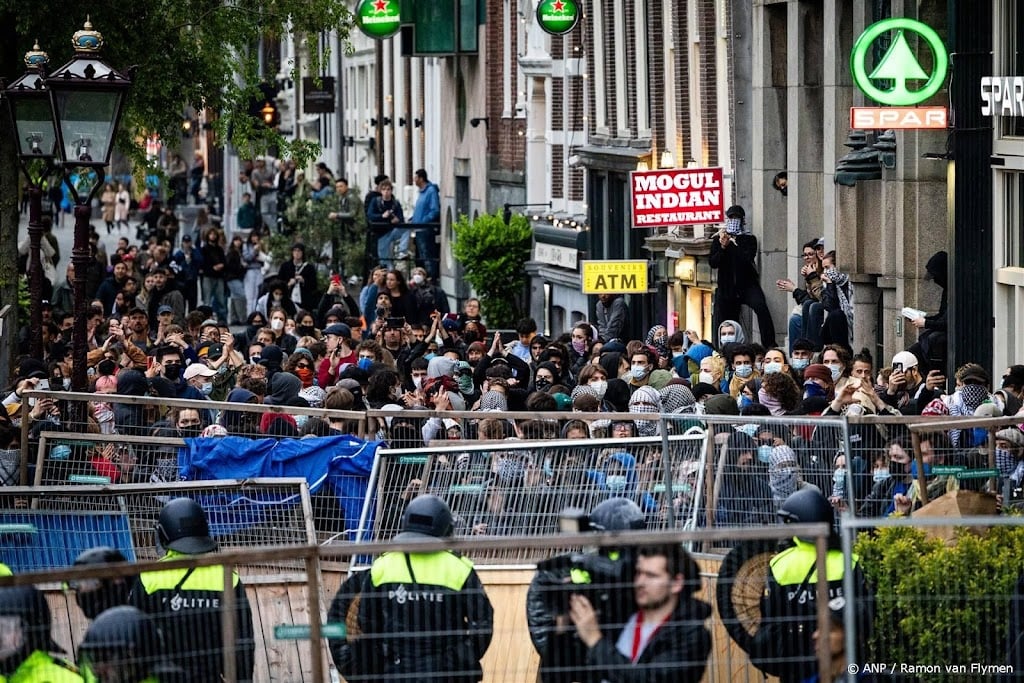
[[734, 255]]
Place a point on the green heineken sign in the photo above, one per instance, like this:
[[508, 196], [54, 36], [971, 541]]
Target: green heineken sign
[[898, 65], [558, 16], [379, 18]]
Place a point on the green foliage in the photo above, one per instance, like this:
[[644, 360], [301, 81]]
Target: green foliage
[[24, 302], [492, 255], [941, 604]]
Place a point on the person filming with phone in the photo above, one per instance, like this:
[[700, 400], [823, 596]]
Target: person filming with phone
[[906, 389]]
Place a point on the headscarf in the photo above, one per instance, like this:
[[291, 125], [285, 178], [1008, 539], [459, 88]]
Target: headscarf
[[783, 474], [645, 400], [675, 398], [773, 404], [284, 387], [735, 226], [845, 292], [741, 335], [657, 337], [493, 400]]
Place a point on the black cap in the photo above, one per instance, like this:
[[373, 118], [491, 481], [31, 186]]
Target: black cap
[[735, 211]]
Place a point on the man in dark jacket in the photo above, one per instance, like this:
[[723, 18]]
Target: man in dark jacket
[[425, 615], [930, 348], [665, 639], [734, 255]]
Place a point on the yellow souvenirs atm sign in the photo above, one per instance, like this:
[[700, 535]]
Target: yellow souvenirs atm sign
[[614, 277]]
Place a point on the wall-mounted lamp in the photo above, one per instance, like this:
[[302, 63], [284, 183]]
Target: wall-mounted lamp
[[188, 127], [642, 165], [386, 121], [686, 270], [668, 160], [476, 121]]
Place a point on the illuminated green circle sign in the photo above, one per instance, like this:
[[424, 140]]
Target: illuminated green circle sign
[[558, 16], [899, 64], [379, 18]]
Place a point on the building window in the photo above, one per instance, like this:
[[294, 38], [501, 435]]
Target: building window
[[1013, 224], [1011, 59]]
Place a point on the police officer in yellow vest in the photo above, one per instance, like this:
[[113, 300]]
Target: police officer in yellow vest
[[123, 644], [5, 570], [784, 644], [425, 616], [186, 603], [25, 642]]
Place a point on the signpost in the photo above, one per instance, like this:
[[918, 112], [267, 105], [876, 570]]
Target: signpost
[[679, 196], [558, 17], [379, 19], [614, 277], [898, 67]]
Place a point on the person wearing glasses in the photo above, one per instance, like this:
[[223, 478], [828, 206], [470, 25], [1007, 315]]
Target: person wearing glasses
[[806, 323]]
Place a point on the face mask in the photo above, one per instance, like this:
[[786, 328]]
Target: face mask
[[705, 377], [812, 390], [836, 370], [676, 354], [1003, 454], [300, 421], [579, 346], [733, 226], [744, 371], [743, 401], [770, 368], [172, 371], [417, 279], [276, 324], [429, 356], [255, 360], [365, 363], [639, 372], [305, 374], [190, 432], [66, 383], [616, 482], [600, 386], [759, 366], [801, 363], [206, 388], [897, 468], [466, 383], [542, 383], [880, 475], [764, 453], [305, 331], [839, 476], [728, 338], [471, 336], [417, 382], [748, 429]]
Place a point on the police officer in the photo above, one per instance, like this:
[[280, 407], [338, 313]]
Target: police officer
[[123, 645], [425, 615], [25, 642], [599, 575], [784, 643], [186, 603], [5, 570], [96, 595]]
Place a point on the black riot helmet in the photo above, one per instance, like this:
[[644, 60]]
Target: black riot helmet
[[807, 506], [29, 605], [426, 516], [96, 595], [124, 637], [617, 514], [183, 528]]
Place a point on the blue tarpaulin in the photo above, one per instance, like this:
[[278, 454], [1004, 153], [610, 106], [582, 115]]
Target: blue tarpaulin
[[343, 463], [34, 541]]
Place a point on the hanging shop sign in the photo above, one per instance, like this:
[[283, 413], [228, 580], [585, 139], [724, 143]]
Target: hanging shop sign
[[379, 19], [558, 17], [614, 277], [677, 196], [895, 118]]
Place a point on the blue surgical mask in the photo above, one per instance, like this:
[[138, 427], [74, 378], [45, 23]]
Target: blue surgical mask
[[300, 421], [836, 370], [676, 354], [429, 356], [728, 338], [764, 453], [743, 401], [812, 390], [365, 363], [744, 371], [206, 388], [615, 482], [881, 475], [770, 368], [748, 429], [639, 372], [800, 363], [839, 476]]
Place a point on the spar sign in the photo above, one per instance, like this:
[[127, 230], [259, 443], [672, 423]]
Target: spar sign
[[678, 196]]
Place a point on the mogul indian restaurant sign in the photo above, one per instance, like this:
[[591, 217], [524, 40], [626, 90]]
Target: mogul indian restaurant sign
[[678, 196], [888, 82], [614, 277]]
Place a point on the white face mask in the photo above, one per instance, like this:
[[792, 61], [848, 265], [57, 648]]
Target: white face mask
[[417, 382], [706, 377], [276, 324], [417, 279], [600, 386], [770, 368]]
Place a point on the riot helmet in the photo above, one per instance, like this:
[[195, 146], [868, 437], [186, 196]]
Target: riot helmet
[[122, 639], [24, 625], [98, 594], [183, 528], [807, 506], [617, 514], [426, 516]]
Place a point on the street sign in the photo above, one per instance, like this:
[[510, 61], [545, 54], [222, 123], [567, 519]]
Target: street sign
[[614, 277], [558, 17], [897, 118], [677, 196], [318, 100], [379, 19], [977, 474], [899, 65], [301, 631], [1002, 96]]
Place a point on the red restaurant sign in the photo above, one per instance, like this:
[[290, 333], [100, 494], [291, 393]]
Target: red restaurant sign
[[677, 196]]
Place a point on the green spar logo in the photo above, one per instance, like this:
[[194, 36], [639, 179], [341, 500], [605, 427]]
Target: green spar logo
[[558, 16], [379, 18], [899, 64]]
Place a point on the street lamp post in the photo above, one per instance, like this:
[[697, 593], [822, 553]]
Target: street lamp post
[[29, 102], [86, 96]]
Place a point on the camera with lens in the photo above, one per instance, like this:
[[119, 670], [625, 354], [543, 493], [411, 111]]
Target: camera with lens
[[600, 578]]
